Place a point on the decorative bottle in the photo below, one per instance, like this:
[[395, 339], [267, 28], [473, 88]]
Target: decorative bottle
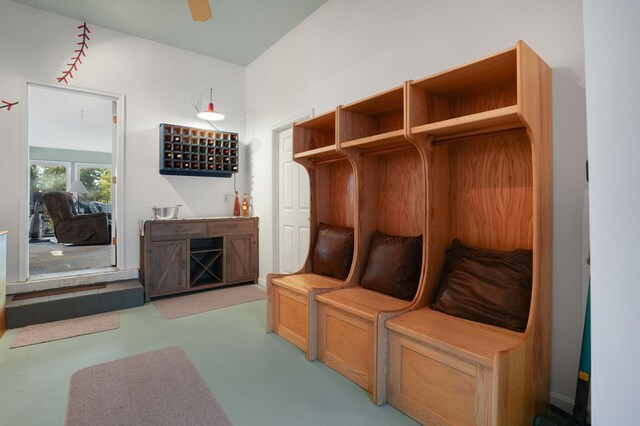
[[236, 206], [245, 206]]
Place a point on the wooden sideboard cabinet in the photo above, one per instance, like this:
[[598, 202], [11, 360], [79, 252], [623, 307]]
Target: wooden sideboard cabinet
[[178, 256]]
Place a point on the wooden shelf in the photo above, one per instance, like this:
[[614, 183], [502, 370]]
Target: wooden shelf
[[323, 153], [374, 122], [316, 136], [481, 96], [482, 122], [385, 140], [205, 250]]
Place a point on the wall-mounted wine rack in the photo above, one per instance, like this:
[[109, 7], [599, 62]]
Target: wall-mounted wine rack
[[190, 151]]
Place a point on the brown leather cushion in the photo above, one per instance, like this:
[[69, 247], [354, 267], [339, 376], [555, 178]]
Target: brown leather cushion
[[333, 252], [488, 286], [394, 266]]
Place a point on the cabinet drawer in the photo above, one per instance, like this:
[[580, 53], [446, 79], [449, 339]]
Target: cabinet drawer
[[177, 230], [231, 226]]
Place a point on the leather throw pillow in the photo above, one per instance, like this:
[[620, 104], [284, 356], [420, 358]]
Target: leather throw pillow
[[333, 252], [488, 286], [394, 266]]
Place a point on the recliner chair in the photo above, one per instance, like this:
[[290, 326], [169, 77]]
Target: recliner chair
[[73, 228]]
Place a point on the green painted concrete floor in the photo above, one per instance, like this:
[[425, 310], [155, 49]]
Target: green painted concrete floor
[[257, 378]]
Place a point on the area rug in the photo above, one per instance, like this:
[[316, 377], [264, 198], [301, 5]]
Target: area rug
[[56, 330], [182, 306], [161, 387]]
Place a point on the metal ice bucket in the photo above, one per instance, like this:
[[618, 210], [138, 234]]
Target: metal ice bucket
[[166, 213]]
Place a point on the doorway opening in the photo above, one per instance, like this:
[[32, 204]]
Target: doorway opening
[[291, 192], [71, 168]]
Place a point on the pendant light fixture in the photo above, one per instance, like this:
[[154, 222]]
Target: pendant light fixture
[[210, 114]]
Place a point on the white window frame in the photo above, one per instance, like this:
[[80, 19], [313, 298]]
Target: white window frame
[[67, 164], [78, 166]]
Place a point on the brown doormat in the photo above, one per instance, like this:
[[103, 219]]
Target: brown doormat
[[154, 388], [56, 291], [182, 306], [56, 330]]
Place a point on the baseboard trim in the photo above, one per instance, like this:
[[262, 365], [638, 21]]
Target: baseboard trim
[[564, 402], [262, 282], [91, 277], [561, 401]]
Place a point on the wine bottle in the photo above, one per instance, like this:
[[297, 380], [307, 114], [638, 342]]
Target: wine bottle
[[236, 206], [245, 205]]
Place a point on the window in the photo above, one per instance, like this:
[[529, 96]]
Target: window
[[49, 176], [97, 179]]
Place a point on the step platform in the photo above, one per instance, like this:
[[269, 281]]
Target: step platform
[[46, 308]]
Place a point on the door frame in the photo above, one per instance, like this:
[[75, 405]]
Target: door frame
[[275, 183], [23, 170]]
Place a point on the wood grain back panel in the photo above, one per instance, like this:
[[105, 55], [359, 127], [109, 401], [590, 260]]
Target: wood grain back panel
[[401, 191], [492, 192], [493, 98], [335, 193], [390, 121], [352, 126]]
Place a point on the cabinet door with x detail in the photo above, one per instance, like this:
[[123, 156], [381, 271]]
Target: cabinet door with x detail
[[168, 266], [241, 255]]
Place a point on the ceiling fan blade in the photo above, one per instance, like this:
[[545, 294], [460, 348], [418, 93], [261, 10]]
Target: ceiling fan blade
[[200, 10]]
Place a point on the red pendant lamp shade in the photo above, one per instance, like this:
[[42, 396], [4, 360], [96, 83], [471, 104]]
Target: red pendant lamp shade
[[210, 114]]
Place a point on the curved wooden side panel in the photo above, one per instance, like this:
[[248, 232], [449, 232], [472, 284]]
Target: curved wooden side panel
[[534, 93], [514, 399], [269, 321]]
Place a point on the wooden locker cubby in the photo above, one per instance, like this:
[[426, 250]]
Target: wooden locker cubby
[[489, 174], [291, 304], [390, 175]]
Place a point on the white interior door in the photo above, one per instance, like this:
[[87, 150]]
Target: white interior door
[[293, 225]]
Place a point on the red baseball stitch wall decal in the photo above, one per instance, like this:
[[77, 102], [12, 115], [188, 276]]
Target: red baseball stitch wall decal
[[75, 60], [8, 105]]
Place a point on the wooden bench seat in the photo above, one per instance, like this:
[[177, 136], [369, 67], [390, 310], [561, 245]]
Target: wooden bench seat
[[350, 332], [364, 303], [290, 305], [304, 283], [448, 370], [467, 339]]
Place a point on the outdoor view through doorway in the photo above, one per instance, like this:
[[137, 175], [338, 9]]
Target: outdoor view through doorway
[[71, 200]]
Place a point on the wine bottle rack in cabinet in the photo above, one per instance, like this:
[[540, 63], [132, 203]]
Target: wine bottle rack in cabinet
[[206, 261], [190, 151]]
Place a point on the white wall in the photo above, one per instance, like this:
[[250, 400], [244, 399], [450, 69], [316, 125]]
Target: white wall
[[350, 49], [158, 82], [612, 70], [60, 119]]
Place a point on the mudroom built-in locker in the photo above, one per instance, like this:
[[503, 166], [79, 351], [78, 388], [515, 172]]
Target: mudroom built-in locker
[[439, 192]]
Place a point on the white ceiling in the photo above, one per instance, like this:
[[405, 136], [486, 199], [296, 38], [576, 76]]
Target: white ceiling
[[64, 119], [239, 31]]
